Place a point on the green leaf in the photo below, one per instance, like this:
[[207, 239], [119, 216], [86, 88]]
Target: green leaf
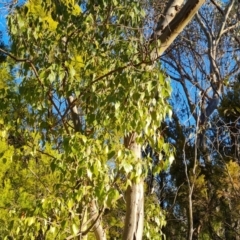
[[127, 167], [89, 174], [113, 196], [75, 229], [52, 229], [171, 158], [52, 76], [31, 221], [72, 71]]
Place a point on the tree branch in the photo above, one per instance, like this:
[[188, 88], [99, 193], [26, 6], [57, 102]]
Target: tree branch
[[176, 26], [228, 10], [217, 6], [170, 12]]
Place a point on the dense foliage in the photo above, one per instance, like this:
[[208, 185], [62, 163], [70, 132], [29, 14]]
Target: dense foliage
[[80, 84]]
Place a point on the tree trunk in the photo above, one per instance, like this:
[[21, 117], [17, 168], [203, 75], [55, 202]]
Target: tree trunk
[[167, 30], [176, 25], [133, 228], [97, 228], [135, 212]]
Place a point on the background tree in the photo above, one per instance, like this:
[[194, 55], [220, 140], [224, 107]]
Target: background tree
[[203, 62]]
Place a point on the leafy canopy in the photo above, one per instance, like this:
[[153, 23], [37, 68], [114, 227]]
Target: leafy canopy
[[90, 53]]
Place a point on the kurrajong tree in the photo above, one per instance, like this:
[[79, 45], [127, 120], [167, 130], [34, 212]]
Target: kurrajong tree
[[90, 95]]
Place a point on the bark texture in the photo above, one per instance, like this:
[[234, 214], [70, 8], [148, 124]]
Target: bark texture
[[98, 230], [183, 15], [133, 228]]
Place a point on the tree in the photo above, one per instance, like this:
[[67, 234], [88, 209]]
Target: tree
[[208, 46], [88, 67]]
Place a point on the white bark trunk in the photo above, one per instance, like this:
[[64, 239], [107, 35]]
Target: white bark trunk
[[133, 228], [171, 10], [175, 27], [98, 230]]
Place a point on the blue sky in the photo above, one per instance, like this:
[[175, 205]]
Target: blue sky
[[3, 27], [4, 7]]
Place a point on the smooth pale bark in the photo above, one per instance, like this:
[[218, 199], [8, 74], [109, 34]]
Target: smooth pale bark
[[171, 10], [98, 230], [83, 227], [176, 26], [133, 228], [135, 212], [167, 30]]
